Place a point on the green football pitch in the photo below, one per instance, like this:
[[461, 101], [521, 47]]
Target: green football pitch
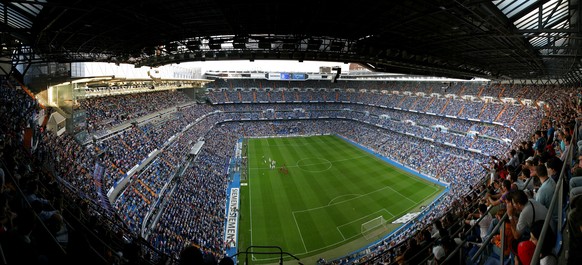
[[317, 207]]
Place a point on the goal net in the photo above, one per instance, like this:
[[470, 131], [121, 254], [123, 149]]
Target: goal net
[[374, 227]]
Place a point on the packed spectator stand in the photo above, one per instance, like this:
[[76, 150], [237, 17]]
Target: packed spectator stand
[[447, 132]]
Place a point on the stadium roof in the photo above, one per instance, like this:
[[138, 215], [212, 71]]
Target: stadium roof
[[499, 39]]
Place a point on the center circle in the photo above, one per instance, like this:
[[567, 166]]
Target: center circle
[[314, 164]]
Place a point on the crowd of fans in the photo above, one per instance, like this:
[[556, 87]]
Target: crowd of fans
[[423, 97], [299, 110], [496, 111], [237, 112], [198, 205], [374, 114], [143, 192], [104, 112], [522, 180], [225, 135], [44, 222]]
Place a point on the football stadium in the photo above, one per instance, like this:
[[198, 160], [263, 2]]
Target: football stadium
[[228, 132]]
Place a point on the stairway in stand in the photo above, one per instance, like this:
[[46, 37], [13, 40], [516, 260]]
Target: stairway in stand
[[98, 174]]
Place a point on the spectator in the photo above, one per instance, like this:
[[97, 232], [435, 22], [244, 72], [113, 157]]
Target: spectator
[[525, 182], [554, 166], [564, 154], [514, 162], [525, 249], [191, 255], [546, 190], [226, 261], [523, 213], [540, 141], [483, 224], [500, 199]]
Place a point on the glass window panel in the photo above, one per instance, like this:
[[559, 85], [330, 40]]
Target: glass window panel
[[517, 9], [25, 8], [528, 23], [530, 16]]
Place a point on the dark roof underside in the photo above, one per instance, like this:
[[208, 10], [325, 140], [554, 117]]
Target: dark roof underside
[[500, 39]]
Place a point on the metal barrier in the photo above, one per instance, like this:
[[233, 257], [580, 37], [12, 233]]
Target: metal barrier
[[280, 252], [556, 202], [459, 246], [2, 257], [556, 199], [498, 228]]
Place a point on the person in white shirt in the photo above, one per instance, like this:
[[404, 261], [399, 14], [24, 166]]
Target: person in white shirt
[[483, 224]]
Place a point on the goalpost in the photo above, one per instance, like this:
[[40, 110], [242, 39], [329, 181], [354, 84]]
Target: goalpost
[[374, 227]]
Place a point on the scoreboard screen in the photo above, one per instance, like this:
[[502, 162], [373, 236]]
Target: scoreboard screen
[[287, 76], [293, 76], [299, 76]]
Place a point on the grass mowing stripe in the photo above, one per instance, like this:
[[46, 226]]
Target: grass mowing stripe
[[287, 190], [313, 165]]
